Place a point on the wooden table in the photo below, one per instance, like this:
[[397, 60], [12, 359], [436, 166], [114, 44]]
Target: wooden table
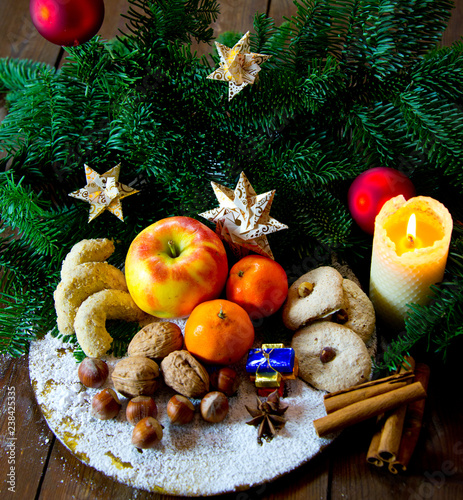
[[43, 468]]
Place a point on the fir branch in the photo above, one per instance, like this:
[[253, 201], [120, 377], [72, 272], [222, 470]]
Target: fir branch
[[325, 219], [438, 125], [159, 22], [272, 41], [17, 74], [26, 212], [312, 32], [323, 83], [23, 318], [441, 71]]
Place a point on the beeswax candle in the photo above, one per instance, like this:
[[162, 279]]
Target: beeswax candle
[[406, 262]]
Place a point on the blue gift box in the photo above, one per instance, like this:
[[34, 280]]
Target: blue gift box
[[271, 358]]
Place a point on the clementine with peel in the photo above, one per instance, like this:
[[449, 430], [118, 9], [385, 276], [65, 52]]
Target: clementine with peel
[[258, 284], [218, 332]]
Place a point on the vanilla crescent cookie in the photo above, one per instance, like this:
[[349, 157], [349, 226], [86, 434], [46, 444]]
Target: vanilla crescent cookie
[[90, 320], [325, 297], [82, 281], [359, 310], [331, 357], [95, 250]]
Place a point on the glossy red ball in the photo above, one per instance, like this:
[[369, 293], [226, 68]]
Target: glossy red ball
[[371, 189], [67, 22]]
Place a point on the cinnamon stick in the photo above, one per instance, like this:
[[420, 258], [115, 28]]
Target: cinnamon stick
[[391, 432], [340, 399], [372, 453], [371, 407], [412, 424]]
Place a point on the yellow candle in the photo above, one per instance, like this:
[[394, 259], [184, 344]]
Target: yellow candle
[[405, 261]]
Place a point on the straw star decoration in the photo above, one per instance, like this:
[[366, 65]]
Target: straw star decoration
[[103, 192], [237, 66], [243, 217]]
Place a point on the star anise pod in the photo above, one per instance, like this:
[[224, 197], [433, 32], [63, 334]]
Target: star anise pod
[[268, 416]]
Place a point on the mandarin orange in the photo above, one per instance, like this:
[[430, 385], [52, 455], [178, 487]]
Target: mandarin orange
[[218, 332], [258, 284]]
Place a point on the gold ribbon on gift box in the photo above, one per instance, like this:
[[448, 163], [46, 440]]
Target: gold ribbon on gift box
[[268, 379]]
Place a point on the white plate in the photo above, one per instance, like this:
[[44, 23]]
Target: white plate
[[198, 459]]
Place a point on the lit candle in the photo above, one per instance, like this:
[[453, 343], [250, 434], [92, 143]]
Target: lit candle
[[410, 248]]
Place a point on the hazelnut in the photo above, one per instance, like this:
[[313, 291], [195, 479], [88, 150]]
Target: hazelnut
[[180, 410], [105, 404], [327, 354], [214, 407], [147, 433], [225, 380], [140, 407], [305, 289], [341, 316], [93, 372]]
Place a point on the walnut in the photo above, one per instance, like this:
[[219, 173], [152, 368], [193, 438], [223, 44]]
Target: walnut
[[183, 373], [136, 376], [156, 340]]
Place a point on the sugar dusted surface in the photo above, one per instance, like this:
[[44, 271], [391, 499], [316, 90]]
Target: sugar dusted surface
[[198, 459]]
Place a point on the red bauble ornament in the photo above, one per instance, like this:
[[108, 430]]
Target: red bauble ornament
[[67, 22], [371, 189]]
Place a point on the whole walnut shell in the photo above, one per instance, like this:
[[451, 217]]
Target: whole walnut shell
[[183, 373], [136, 376], [156, 340]]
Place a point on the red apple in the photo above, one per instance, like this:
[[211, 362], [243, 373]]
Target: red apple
[[173, 265]]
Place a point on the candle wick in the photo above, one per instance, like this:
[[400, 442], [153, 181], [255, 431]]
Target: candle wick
[[411, 240]]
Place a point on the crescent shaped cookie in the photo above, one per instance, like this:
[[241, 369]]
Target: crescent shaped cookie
[[359, 309], [78, 284], [96, 250], [90, 321], [331, 357], [326, 297]]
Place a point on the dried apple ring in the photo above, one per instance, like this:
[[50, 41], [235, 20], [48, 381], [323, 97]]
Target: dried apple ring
[[95, 250], [80, 283], [90, 322]]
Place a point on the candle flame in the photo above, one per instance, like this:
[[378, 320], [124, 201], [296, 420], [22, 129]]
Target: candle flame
[[411, 229]]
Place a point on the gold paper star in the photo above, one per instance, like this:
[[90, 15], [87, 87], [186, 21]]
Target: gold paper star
[[243, 217], [103, 192], [238, 66]]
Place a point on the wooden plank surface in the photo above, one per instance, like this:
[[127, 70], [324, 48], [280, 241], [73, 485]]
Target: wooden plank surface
[[45, 469], [23, 455]]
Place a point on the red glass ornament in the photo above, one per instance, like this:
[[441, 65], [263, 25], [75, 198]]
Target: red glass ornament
[[371, 189], [67, 22]]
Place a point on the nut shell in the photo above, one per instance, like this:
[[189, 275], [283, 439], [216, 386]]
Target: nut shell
[[147, 433], [139, 408], [105, 405], [214, 407], [93, 372], [136, 376], [225, 380], [183, 373], [180, 410], [156, 340]]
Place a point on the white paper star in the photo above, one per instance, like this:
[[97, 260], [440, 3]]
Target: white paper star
[[238, 66], [243, 217], [103, 192]]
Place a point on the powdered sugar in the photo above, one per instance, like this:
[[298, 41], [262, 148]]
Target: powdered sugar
[[195, 459]]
